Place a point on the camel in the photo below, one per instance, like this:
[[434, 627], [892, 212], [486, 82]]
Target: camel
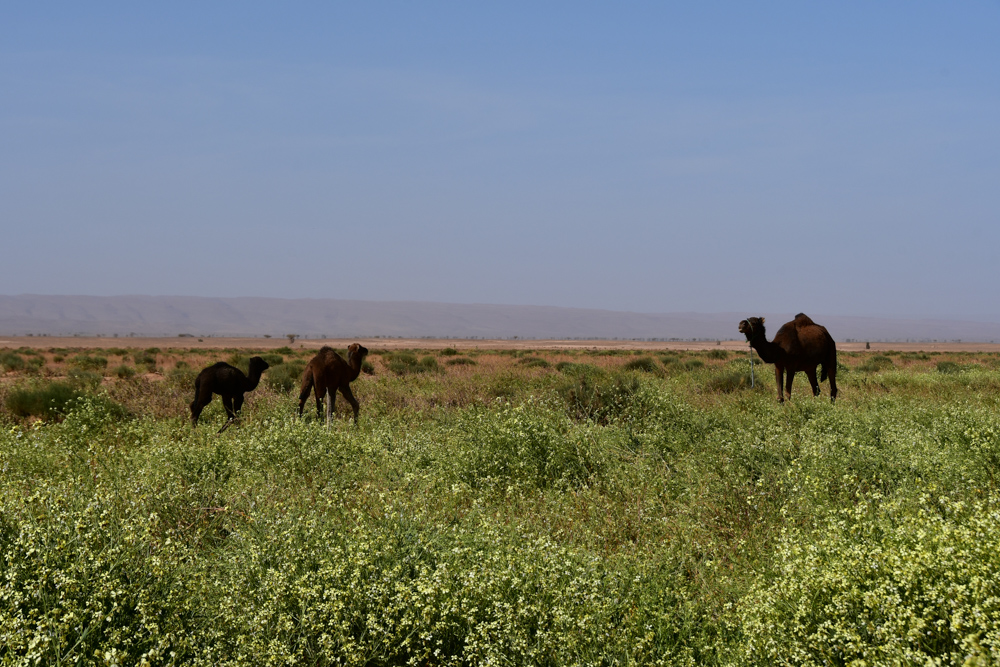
[[799, 345], [228, 382], [328, 373]]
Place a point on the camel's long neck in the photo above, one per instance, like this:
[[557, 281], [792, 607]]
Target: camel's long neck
[[254, 379], [355, 365], [768, 351]]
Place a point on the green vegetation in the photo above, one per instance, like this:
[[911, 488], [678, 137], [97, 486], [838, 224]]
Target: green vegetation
[[48, 401], [146, 358], [406, 363], [645, 364], [285, 377], [533, 362], [948, 367], [876, 364], [124, 371], [595, 515], [11, 361], [87, 362], [272, 359]]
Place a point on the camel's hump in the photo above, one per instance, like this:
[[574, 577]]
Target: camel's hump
[[802, 320]]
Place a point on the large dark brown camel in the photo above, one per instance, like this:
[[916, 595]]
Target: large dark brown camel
[[228, 382], [799, 345], [327, 372]]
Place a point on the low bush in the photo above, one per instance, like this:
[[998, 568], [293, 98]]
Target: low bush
[[534, 362], [694, 364], [728, 382], [948, 367], [49, 401], [286, 377], [272, 359], [87, 362], [529, 444], [597, 396], [673, 365], [461, 361], [11, 361], [124, 371], [644, 364], [406, 363], [449, 352], [876, 364], [84, 379], [146, 359], [718, 354]]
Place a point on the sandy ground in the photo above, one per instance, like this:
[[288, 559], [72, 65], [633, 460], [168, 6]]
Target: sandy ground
[[45, 342]]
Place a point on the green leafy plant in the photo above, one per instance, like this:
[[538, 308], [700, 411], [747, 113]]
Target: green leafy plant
[[88, 362], [644, 364], [876, 364], [534, 362], [11, 361], [285, 377]]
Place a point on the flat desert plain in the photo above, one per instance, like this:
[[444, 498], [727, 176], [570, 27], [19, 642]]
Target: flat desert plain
[[91, 342]]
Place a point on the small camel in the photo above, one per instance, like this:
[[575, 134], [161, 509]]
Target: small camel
[[799, 345], [228, 382], [327, 372]]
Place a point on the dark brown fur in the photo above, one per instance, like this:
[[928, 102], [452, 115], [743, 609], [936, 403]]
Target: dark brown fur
[[328, 371], [799, 345], [228, 382]]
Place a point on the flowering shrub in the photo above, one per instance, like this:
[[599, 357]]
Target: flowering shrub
[[883, 585]]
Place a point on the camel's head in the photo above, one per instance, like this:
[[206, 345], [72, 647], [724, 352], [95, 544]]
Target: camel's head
[[752, 327], [258, 365], [356, 351]]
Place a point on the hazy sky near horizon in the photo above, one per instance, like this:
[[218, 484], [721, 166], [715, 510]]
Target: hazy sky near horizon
[[839, 158]]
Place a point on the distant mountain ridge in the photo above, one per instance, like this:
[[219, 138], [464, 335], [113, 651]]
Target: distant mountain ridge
[[337, 318]]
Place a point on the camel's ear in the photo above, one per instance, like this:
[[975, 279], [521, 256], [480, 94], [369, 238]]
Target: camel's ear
[[762, 320]]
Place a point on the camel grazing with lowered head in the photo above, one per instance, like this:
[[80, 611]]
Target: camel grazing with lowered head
[[799, 345], [328, 373], [228, 382]]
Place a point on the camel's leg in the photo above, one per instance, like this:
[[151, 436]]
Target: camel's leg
[[237, 404], [832, 374], [331, 397], [307, 385], [789, 376], [203, 397], [320, 392], [811, 374], [778, 376], [227, 403], [345, 389]]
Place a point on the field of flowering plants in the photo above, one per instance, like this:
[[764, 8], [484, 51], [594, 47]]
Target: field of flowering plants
[[501, 508]]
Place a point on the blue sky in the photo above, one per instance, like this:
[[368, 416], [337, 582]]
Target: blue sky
[[839, 158]]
